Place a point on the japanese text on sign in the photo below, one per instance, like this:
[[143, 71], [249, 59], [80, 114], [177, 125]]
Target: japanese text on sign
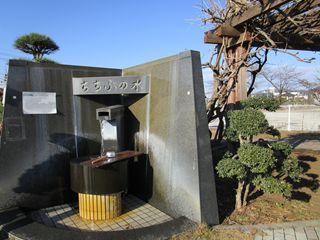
[[111, 85]]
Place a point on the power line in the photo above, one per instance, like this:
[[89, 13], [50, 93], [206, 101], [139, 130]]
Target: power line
[[10, 55]]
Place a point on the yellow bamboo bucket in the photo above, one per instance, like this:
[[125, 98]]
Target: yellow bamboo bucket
[[99, 207]]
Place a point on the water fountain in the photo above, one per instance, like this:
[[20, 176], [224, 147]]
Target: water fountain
[[164, 116], [100, 180]]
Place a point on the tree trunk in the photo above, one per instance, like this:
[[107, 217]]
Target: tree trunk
[[245, 195], [239, 195], [280, 97], [219, 132]]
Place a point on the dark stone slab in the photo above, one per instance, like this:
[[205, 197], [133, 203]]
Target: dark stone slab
[[17, 224], [168, 124], [173, 132], [36, 149]]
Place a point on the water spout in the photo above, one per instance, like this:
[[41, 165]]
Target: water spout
[[111, 121], [108, 131]]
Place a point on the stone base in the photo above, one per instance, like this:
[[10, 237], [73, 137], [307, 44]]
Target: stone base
[[16, 224], [99, 207]]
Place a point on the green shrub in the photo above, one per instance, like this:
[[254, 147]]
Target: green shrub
[[247, 122], [283, 147], [258, 159], [269, 104], [273, 185], [257, 165], [228, 168], [292, 169], [46, 60]]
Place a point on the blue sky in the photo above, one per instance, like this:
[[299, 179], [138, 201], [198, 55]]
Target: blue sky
[[111, 33]]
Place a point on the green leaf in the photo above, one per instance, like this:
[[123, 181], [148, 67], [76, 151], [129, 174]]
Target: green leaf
[[292, 168], [257, 159], [283, 147], [247, 122], [229, 168], [269, 104], [232, 134], [273, 185]]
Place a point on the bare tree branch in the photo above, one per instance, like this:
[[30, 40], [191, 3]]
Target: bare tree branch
[[270, 30]]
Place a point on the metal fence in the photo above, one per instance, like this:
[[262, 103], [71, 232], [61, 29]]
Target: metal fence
[[295, 117], [292, 118]]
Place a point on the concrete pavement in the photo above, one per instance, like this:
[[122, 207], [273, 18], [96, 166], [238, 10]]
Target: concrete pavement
[[301, 230]]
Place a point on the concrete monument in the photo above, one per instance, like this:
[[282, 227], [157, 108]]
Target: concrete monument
[[164, 118]]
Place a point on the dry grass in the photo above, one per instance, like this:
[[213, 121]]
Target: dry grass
[[204, 232]]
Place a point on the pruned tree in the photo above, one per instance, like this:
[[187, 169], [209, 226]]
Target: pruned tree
[[282, 78], [36, 44], [257, 165], [266, 103]]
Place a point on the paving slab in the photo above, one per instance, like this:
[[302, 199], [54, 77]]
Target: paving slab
[[297, 230], [289, 234], [302, 232]]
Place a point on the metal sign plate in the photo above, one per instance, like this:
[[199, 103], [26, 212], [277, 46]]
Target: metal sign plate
[[110, 85], [39, 102]]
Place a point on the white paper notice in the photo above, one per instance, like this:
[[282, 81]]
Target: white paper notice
[[39, 102]]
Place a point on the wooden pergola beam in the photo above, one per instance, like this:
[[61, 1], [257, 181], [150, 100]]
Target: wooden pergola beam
[[227, 31], [294, 42], [289, 41], [302, 7], [229, 27], [255, 11], [212, 38]]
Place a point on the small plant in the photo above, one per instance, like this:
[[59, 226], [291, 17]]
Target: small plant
[[46, 60], [257, 165]]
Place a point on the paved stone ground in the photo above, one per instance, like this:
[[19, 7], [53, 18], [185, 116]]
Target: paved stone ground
[[310, 144], [300, 231]]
